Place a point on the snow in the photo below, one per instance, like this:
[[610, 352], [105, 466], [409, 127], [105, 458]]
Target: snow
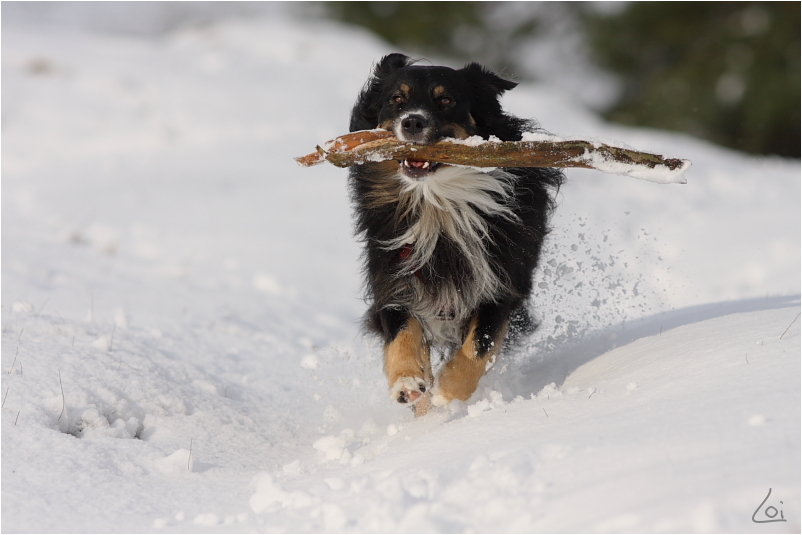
[[472, 141], [181, 303], [661, 174]]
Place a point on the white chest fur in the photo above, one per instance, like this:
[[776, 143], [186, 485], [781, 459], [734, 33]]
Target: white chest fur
[[453, 203]]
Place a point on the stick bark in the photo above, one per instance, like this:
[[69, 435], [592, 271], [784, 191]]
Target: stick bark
[[379, 145]]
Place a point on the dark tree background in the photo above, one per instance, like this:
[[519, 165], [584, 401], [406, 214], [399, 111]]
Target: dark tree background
[[728, 72]]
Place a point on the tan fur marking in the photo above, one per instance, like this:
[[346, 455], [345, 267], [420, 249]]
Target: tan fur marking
[[408, 355], [460, 132], [384, 191], [460, 376], [439, 91], [405, 89]]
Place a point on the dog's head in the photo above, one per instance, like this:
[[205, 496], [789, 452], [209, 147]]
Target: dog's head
[[423, 104]]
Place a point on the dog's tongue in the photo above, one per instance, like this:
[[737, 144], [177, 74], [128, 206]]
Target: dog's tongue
[[418, 164]]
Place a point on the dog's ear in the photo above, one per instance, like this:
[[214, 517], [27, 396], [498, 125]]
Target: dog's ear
[[364, 116], [480, 75], [486, 87], [390, 63]]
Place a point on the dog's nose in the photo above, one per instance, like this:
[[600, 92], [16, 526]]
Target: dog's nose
[[413, 124]]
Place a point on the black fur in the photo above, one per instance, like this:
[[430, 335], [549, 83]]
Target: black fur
[[471, 107]]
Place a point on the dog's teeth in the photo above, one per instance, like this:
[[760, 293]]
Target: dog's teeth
[[425, 165]]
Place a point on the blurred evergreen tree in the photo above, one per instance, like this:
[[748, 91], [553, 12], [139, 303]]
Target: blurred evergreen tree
[[725, 71], [419, 26], [486, 32]]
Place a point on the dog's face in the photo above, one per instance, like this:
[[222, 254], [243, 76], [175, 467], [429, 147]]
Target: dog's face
[[423, 104]]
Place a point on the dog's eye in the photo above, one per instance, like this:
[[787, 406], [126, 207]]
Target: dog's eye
[[399, 99], [445, 101]]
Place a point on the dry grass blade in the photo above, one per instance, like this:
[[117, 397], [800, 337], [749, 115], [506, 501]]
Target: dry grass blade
[[63, 398], [11, 369], [786, 330]]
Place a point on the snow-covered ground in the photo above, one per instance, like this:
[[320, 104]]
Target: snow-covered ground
[[180, 323]]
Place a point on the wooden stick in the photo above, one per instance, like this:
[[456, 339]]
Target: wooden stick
[[379, 145], [343, 144]]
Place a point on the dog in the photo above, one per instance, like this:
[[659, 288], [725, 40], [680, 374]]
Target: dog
[[449, 251]]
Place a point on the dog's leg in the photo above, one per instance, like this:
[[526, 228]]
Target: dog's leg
[[407, 366], [460, 376]]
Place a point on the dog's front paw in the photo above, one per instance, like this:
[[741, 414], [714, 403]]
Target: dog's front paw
[[408, 389]]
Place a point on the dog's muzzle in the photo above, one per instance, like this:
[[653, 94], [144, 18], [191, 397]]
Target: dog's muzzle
[[415, 127]]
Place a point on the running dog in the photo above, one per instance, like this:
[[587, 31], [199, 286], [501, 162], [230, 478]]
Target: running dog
[[449, 251]]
